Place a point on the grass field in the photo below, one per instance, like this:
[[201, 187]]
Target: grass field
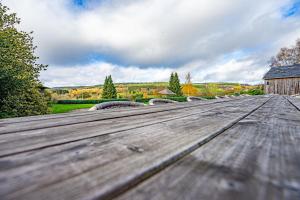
[[63, 108]]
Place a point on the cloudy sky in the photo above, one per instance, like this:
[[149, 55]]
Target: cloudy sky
[[82, 41]]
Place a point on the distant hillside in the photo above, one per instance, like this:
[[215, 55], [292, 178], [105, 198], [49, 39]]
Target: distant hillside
[[151, 90], [145, 84]]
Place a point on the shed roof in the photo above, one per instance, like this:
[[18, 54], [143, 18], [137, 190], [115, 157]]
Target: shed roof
[[166, 92], [292, 71]]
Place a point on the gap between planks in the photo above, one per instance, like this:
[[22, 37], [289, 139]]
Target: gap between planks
[[295, 102], [97, 117], [55, 141], [167, 156], [107, 111], [88, 113], [257, 159], [122, 188]]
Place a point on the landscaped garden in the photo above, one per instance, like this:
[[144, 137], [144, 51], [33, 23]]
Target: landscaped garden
[[74, 98]]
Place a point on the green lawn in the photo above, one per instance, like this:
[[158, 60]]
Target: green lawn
[[63, 108]]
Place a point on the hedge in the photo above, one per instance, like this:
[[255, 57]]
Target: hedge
[[255, 92], [140, 100], [179, 99], [146, 100], [208, 97], [143, 100], [88, 101]]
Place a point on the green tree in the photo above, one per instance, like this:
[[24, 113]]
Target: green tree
[[171, 82], [105, 88], [20, 89], [109, 89], [174, 84], [177, 86]]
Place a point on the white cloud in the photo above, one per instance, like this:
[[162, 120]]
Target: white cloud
[[179, 34], [94, 74], [236, 71], [243, 71]]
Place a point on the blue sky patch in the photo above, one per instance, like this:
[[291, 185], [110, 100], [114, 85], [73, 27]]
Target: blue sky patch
[[87, 3], [80, 3], [292, 10]]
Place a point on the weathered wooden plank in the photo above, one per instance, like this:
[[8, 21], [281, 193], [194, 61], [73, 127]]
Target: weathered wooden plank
[[63, 115], [258, 158], [295, 101], [41, 138], [87, 113], [43, 122], [100, 166]]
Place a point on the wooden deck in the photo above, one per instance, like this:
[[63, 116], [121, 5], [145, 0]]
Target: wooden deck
[[243, 148]]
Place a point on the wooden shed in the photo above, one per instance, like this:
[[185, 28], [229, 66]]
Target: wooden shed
[[166, 92], [283, 80]]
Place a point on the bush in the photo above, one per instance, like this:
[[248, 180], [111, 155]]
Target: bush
[[30, 102], [88, 101], [255, 92], [136, 95], [179, 99], [143, 100]]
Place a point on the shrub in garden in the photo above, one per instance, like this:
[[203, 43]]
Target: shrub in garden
[[21, 93], [255, 92]]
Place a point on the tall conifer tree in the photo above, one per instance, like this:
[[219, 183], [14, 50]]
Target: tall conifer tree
[[177, 86], [109, 89], [174, 84], [171, 82]]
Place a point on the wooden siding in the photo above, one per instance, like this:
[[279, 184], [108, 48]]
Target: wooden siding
[[284, 86]]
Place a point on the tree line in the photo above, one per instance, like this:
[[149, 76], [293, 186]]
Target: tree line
[[110, 92], [287, 56]]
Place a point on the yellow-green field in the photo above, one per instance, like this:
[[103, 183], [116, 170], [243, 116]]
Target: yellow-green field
[[150, 90]]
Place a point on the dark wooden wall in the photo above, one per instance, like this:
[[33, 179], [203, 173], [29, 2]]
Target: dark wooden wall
[[283, 86]]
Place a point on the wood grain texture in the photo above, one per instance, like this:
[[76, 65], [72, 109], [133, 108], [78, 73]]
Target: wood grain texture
[[282, 86], [104, 165], [86, 113], [295, 101], [258, 158], [39, 122], [41, 138]]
